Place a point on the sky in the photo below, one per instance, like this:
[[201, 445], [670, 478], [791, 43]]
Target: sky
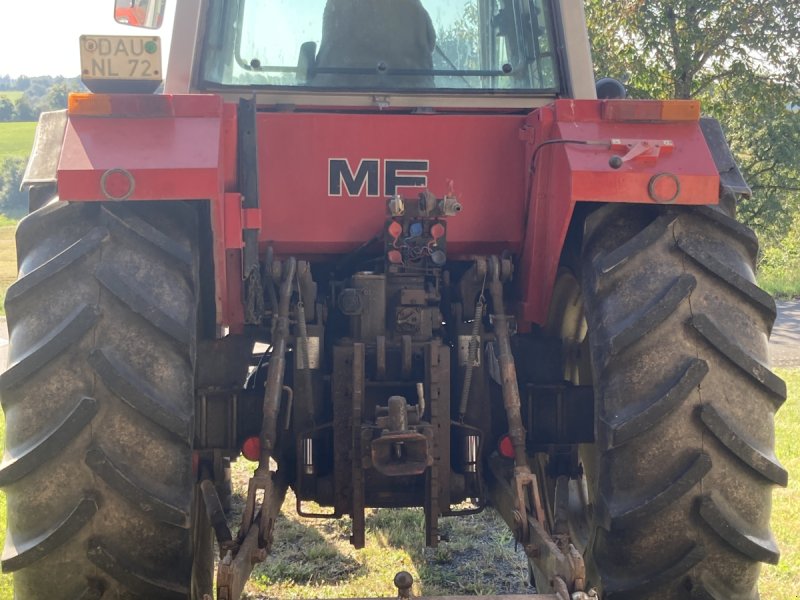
[[40, 37]]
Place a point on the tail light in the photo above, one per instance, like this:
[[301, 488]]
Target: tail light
[[651, 110], [251, 448], [144, 105], [505, 446]]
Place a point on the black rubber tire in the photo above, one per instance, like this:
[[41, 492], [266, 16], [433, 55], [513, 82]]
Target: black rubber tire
[[684, 460], [99, 403]]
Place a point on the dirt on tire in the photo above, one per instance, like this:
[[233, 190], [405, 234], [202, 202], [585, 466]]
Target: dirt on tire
[[99, 398], [684, 460]]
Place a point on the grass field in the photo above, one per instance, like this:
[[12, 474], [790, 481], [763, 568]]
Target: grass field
[[783, 284], [12, 95], [16, 139], [8, 258]]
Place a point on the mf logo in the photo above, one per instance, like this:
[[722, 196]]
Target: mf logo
[[366, 178]]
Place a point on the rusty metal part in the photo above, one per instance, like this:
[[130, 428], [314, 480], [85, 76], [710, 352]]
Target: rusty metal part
[[216, 515], [403, 581], [238, 562], [272, 395], [380, 357], [437, 484], [277, 367], [358, 501], [560, 588], [405, 344], [473, 354], [549, 558], [254, 305], [508, 371], [402, 453], [526, 488]]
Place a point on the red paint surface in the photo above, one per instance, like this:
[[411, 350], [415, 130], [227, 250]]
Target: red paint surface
[[569, 173], [190, 154], [170, 158], [482, 155]]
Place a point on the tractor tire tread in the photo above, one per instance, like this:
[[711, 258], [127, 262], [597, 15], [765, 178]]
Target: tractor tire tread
[[640, 324], [139, 395], [750, 366], [678, 334], [17, 556], [48, 444], [99, 401], [76, 325], [736, 531], [651, 503], [637, 418], [149, 586], [144, 306], [125, 483], [714, 265], [763, 462], [618, 257], [30, 281], [632, 588]]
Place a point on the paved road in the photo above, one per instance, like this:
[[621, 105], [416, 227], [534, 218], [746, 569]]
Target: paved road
[[784, 344]]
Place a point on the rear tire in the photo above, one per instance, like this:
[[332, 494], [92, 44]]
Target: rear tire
[[99, 403], [681, 474]]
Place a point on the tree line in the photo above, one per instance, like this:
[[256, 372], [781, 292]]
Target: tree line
[[741, 59], [39, 94]]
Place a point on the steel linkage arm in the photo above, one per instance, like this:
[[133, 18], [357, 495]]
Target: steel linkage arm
[[528, 500], [254, 539]]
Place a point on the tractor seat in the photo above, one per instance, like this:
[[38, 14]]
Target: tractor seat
[[378, 36]]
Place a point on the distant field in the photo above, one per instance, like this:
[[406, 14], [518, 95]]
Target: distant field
[[12, 95], [16, 139]]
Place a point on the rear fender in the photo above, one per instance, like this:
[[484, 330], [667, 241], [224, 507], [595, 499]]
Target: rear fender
[[570, 150], [158, 147]]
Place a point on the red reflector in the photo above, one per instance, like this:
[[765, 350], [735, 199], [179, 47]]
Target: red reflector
[[251, 449], [506, 447]]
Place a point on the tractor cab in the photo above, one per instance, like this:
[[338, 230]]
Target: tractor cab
[[485, 52]]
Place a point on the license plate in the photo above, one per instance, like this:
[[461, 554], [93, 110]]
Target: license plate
[[121, 57]]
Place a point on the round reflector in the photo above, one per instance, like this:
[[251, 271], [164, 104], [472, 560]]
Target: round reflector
[[506, 447], [251, 449]]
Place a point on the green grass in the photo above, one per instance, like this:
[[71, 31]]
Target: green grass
[[780, 582], [16, 139], [781, 283], [314, 558], [8, 258], [6, 581], [12, 95]]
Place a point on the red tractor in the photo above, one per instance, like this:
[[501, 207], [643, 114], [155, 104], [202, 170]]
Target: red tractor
[[400, 254]]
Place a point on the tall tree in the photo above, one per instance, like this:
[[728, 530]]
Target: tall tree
[[740, 58]]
